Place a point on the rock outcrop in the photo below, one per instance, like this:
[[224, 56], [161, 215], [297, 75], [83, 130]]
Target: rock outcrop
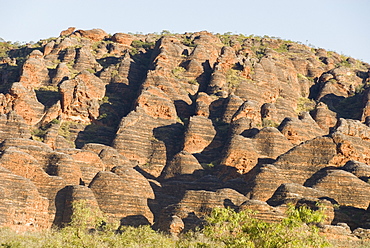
[[151, 129], [22, 207]]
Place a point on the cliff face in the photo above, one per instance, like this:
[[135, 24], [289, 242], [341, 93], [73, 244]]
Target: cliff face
[[154, 126]]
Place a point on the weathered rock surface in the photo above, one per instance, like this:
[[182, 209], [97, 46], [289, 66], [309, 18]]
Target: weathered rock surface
[[304, 160], [118, 198], [121, 38], [199, 134], [243, 153], [85, 60], [198, 203], [150, 134], [80, 97], [34, 71], [26, 104], [137, 124], [300, 130], [292, 193], [21, 205], [182, 164], [263, 210], [342, 186], [68, 31], [13, 126], [262, 182], [93, 34], [358, 169]]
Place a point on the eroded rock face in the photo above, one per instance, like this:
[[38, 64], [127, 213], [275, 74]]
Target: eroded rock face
[[13, 126], [76, 194], [292, 193], [80, 97], [342, 186], [181, 123], [121, 38], [25, 103], [299, 130], [198, 203], [263, 210], [34, 71], [181, 165], [85, 60], [243, 153], [302, 161], [153, 130], [68, 31], [199, 134], [93, 34], [21, 207], [358, 169], [121, 201]]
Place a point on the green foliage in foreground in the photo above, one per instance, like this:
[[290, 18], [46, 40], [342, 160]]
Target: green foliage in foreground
[[225, 228], [243, 230]]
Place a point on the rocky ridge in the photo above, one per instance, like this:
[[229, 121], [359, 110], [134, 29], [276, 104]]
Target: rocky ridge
[[156, 128]]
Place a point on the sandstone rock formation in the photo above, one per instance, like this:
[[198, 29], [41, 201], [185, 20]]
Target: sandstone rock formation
[[159, 130]]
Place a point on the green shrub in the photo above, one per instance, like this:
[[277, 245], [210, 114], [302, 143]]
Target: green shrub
[[64, 129], [303, 214], [269, 123], [225, 228], [187, 41], [55, 121], [241, 229], [305, 105], [38, 134], [283, 48], [208, 166], [233, 78], [178, 72], [193, 82], [142, 44]]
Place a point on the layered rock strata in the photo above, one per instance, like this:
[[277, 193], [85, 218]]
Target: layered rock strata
[[159, 130]]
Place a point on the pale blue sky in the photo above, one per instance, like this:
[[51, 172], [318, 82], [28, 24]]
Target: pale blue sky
[[337, 25]]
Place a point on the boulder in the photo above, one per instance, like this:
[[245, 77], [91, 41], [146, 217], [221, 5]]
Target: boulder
[[123, 196], [95, 34], [353, 128], [80, 97], [292, 193], [182, 165], [124, 39], [26, 104], [67, 32], [199, 134], [358, 169], [34, 72]]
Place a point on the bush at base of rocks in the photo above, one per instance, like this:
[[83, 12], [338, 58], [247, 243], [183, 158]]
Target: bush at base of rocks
[[225, 228]]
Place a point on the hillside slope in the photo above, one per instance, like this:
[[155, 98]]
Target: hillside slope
[[146, 127]]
